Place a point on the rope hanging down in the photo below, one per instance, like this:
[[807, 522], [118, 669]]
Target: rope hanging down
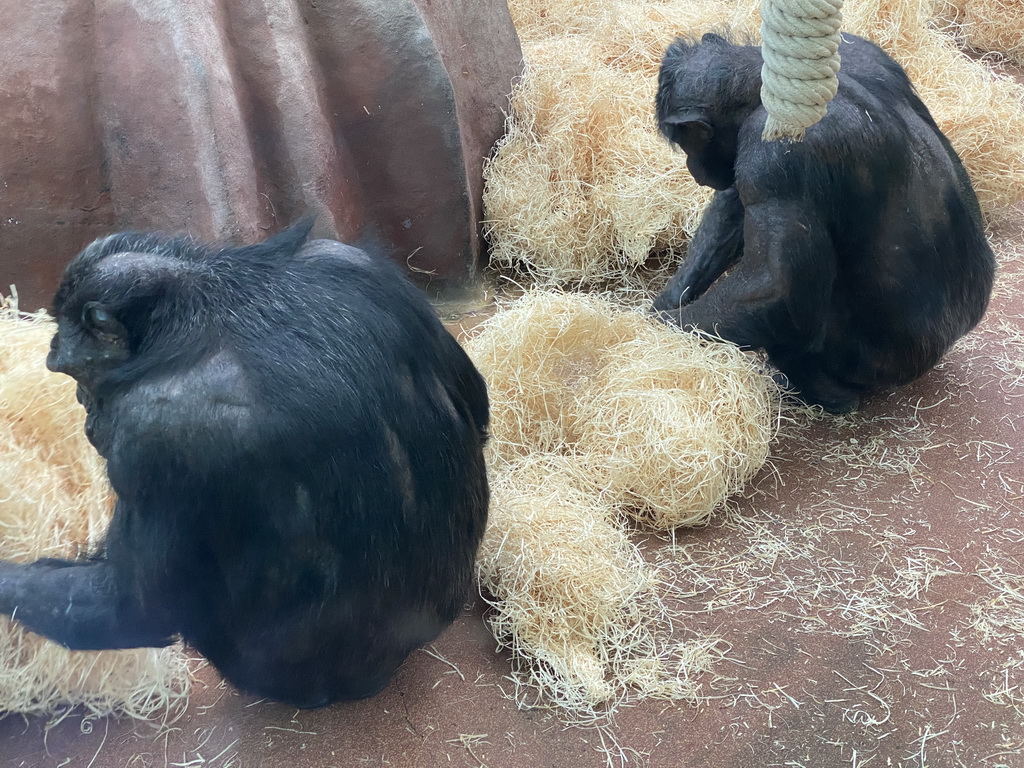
[[800, 46]]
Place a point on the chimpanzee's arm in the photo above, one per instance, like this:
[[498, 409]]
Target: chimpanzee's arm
[[715, 247], [779, 293], [79, 605]]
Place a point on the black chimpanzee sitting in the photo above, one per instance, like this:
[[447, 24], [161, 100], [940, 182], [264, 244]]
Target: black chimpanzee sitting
[[296, 446], [859, 253]]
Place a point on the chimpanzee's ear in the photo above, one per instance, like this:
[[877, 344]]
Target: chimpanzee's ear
[[690, 130], [711, 37]]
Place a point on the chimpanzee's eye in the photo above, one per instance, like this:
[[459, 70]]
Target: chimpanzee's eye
[[99, 320]]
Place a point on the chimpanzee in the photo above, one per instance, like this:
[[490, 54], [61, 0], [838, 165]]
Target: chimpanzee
[[858, 255], [296, 445]]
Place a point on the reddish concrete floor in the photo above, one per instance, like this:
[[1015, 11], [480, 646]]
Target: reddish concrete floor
[[845, 591]]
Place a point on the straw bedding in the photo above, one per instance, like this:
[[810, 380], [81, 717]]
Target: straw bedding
[[598, 415], [648, 418], [575, 600], [583, 613], [995, 26]]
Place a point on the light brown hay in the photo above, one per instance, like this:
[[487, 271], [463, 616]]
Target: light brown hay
[[676, 426], [583, 190], [987, 25], [999, 622], [55, 502], [539, 356], [599, 411], [575, 601], [661, 423]]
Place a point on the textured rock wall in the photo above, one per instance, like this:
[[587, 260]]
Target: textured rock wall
[[229, 118]]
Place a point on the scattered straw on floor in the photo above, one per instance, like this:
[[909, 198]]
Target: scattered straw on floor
[[583, 190], [55, 502], [999, 622], [598, 412]]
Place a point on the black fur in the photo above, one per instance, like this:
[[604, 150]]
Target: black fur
[[858, 255], [296, 444]]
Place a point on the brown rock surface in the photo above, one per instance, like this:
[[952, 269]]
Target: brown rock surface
[[228, 119]]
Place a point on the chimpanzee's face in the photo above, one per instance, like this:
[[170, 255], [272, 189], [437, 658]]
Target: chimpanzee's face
[[700, 107], [87, 346]]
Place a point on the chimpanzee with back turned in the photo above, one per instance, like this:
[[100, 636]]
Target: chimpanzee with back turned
[[858, 255], [296, 445]]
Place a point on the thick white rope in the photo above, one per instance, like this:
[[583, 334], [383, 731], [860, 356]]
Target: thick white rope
[[800, 46]]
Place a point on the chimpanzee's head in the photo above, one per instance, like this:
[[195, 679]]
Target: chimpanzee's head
[[106, 303], [706, 90]]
